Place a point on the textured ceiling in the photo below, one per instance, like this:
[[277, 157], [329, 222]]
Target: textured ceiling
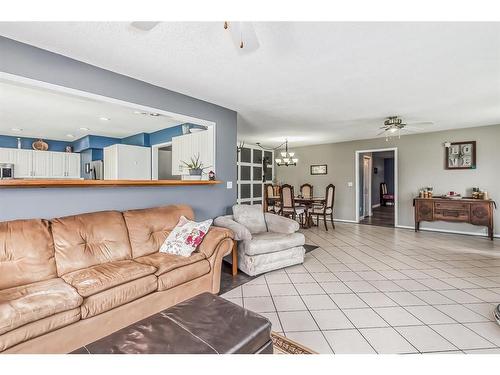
[[310, 82]]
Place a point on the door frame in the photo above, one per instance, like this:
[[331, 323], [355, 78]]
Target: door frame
[[396, 191], [154, 158], [370, 165]]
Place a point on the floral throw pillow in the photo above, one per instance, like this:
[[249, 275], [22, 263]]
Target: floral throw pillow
[[186, 237]]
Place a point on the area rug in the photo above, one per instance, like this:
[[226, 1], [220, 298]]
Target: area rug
[[283, 345], [228, 281]]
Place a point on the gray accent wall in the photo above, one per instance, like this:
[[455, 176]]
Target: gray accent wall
[[208, 201], [421, 163]]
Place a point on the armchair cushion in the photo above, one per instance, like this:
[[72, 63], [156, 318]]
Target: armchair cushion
[[252, 217], [280, 224], [264, 243], [240, 232]]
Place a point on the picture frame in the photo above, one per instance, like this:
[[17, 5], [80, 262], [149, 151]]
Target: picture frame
[[461, 155], [319, 169]]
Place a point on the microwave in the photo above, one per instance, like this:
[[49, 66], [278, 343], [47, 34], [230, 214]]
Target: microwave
[[6, 171]]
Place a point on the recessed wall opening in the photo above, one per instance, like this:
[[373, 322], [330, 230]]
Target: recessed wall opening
[[376, 200]]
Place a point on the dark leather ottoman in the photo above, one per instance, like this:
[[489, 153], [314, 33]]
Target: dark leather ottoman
[[205, 324]]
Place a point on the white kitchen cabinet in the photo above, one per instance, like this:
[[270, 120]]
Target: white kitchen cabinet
[[190, 146], [7, 155], [41, 164], [72, 165], [65, 165], [126, 162], [23, 163], [58, 164]]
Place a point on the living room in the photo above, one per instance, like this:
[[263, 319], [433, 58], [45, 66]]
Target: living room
[[273, 183]]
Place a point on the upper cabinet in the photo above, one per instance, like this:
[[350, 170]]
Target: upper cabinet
[[193, 145], [41, 164]]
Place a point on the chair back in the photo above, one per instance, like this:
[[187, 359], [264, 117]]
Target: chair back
[[268, 191], [306, 190], [383, 188], [286, 195], [330, 196]]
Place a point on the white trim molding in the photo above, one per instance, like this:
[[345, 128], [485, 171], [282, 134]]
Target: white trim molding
[[496, 235]]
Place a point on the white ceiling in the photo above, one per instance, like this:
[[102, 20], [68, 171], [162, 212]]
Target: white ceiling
[[41, 113], [310, 82]]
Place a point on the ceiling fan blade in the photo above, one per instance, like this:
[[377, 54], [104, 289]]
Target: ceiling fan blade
[[243, 36], [382, 132], [144, 25], [413, 129], [421, 123]]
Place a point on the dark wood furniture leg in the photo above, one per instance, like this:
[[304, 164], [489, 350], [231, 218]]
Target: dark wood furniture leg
[[235, 258]]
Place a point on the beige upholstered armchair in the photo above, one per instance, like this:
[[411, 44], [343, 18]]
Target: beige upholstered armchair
[[266, 241]]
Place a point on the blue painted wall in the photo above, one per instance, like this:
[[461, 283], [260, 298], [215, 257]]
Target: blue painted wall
[[389, 174], [11, 142], [207, 201]]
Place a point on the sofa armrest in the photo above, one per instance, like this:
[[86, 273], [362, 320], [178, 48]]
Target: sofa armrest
[[214, 236], [240, 232], [280, 224]]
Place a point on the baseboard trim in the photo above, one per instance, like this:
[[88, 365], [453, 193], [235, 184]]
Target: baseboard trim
[[339, 220], [495, 235], [376, 205]]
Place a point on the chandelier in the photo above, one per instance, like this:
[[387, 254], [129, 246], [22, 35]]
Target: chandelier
[[287, 158]]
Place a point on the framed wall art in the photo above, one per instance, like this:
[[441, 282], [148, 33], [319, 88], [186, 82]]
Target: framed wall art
[[319, 169], [461, 155]]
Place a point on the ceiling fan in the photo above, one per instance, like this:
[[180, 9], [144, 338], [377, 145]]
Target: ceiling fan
[[242, 33], [394, 124]]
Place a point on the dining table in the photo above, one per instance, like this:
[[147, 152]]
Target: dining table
[[307, 203]]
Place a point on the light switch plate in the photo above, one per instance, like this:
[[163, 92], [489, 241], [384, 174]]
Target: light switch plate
[[229, 185], [349, 184]]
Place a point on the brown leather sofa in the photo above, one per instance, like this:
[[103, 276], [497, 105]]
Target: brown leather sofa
[[70, 281]]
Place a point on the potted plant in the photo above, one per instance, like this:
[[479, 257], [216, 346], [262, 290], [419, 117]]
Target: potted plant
[[195, 166]]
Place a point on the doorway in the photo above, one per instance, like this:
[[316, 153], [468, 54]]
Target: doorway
[[376, 187], [161, 162]]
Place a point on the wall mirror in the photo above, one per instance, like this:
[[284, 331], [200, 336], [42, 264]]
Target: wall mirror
[[49, 132]]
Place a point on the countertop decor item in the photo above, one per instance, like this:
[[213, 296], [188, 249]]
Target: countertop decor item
[[195, 166], [460, 155], [40, 145]]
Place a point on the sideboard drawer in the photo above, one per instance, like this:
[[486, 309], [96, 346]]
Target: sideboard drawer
[[451, 214], [453, 205]]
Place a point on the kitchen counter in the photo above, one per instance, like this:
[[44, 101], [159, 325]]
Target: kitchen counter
[[53, 183]]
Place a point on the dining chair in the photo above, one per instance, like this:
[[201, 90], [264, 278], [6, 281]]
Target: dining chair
[[288, 207], [306, 191], [272, 204], [327, 208], [384, 195]]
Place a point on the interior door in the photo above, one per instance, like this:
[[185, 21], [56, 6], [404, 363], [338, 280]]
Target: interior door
[[367, 186]]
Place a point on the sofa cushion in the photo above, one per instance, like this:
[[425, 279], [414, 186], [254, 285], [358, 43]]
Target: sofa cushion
[[168, 262], [182, 275], [263, 243], [24, 304], [85, 240], [26, 253], [95, 279], [148, 228], [117, 296], [38, 328], [251, 217]]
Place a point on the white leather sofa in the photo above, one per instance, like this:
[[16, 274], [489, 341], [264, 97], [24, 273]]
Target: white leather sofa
[[266, 241]]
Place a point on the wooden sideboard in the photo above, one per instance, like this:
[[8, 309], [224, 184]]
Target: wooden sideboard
[[472, 211]]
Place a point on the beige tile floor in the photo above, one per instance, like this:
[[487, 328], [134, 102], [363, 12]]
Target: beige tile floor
[[370, 289]]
